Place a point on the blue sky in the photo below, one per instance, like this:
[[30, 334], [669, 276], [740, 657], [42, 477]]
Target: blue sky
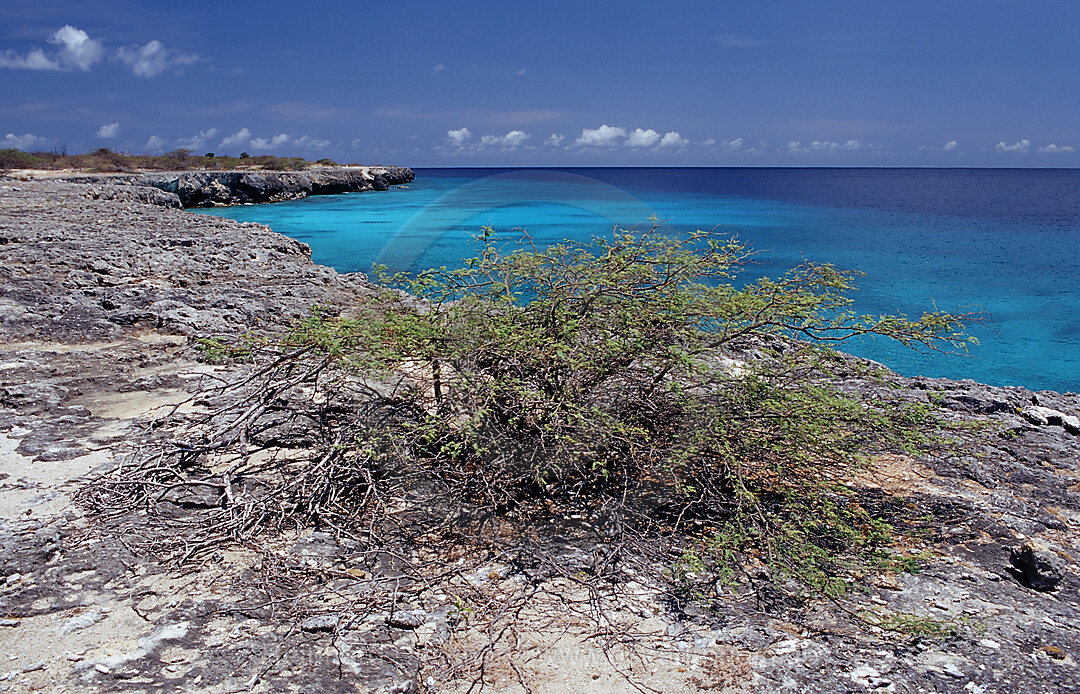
[[584, 83]]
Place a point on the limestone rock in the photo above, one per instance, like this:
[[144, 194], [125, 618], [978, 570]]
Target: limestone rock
[[210, 188], [1046, 416], [406, 619], [322, 622], [1037, 567]]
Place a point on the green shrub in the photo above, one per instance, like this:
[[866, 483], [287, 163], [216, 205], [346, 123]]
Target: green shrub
[[18, 159], [588, 376]]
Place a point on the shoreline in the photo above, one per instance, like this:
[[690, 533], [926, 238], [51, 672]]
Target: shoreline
[[231, 187], [106, 291]]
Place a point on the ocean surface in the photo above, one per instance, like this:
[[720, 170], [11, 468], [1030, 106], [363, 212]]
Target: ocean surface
[[1002, 241]]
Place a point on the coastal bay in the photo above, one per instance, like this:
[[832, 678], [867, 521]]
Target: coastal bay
[[997, 242]]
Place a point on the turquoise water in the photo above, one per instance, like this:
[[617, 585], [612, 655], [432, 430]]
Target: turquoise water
[[1003, 241]]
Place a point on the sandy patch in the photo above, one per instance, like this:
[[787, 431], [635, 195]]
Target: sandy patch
[[39, 488]]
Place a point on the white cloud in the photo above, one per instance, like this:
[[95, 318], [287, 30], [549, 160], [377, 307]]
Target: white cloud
[[709, 142], [643, 138], [734, 145], [238, 138], [155, 58], [34, 60], [510, 140], [949, 146], [77, 51], [198, 141], [108, 131], [156, 144], [673, 139], [284, 139], [555, 140], [311, 141], [77, 48], [269, 143], [520, 72], [604, 136], [23, 142], [1020, 147], [458, 137], [438, 69], [831, 146], [1057, 149]]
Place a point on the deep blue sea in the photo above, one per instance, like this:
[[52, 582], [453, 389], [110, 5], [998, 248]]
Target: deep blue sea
[[1004, 241]]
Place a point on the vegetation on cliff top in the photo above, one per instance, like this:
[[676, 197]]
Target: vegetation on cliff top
[[621, 410], [589, 380], [105, 160]]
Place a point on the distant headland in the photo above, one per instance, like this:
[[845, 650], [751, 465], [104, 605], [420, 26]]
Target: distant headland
[[190, 180]]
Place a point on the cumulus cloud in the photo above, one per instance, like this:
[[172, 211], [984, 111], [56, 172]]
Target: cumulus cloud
[[1057, 149], [77, 51], [239, 138], [673, 139], [154, 58], [604, 136], [198, 141], [458, 137], [949, 146], [643, 138], [440, 68], [108, 131], [510, 140], [555, 140], [709, 142], [23, 142], [831, 146], [310, 141], [284, 139], [1020, 147], [269, 142], [734, 145], [828, 146], [156, 144]]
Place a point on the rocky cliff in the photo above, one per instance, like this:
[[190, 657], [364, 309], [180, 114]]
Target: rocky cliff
[[218, 188]]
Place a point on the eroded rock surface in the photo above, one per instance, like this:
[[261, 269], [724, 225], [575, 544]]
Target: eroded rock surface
[[217, 188], [103, 293]]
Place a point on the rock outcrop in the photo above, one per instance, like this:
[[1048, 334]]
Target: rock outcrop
[[221, 188], [80, 269]]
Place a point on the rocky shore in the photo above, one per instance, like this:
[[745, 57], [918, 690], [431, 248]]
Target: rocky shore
[[108, 295], [218, 188]]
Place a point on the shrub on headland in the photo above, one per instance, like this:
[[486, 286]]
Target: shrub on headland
[[590, 380], [18, 159]]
